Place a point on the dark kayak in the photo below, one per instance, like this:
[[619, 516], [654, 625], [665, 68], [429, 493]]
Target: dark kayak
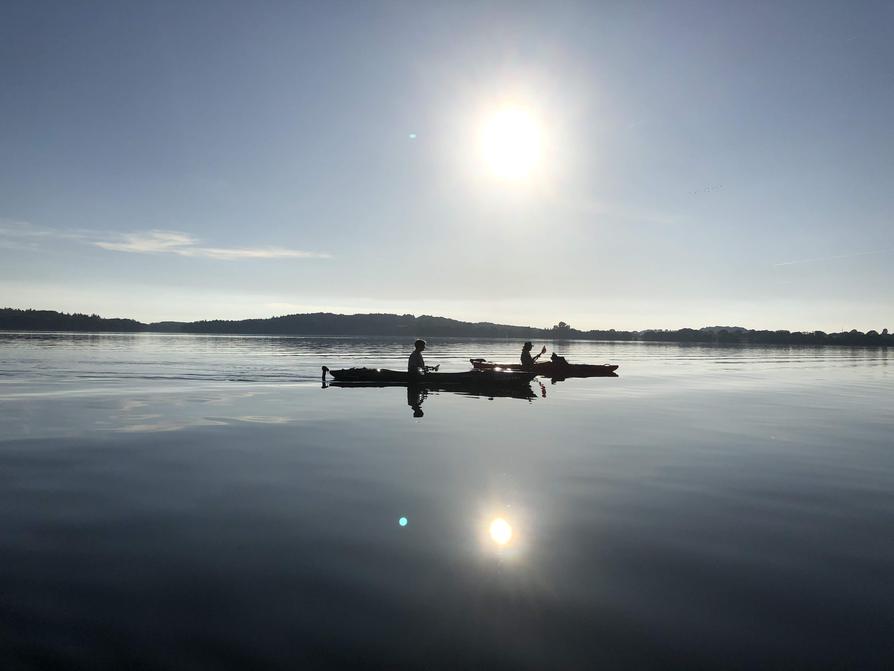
[[471, 378], [551, 369]]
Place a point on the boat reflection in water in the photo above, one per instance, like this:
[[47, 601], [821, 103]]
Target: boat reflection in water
[[417, 395], [561, 378], [478, 384]]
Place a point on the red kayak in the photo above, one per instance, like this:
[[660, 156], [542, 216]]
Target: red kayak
[[553, 369]]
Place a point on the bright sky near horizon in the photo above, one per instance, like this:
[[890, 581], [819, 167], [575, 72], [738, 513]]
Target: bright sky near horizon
[[612, 165]]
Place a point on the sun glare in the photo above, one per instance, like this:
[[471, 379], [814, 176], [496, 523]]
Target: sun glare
[[511, 142], [500, 531]]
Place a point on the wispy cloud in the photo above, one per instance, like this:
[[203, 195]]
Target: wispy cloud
[[833, 258], [183, 244], [10, 228], [229, 253], [152, 242], [23, 235]]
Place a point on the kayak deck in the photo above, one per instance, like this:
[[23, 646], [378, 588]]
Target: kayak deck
[[472, 378], [551, 369]]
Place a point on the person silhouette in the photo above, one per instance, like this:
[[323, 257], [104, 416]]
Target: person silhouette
[[528, 361], [416, 364]]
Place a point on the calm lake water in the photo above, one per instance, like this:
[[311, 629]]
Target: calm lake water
[[176, 501]]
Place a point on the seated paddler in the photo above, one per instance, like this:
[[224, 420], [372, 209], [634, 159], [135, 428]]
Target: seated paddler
[[416, 364], [528, 361]]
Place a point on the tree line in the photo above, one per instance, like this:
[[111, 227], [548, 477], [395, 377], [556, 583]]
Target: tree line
[[411, 326], [50, 320]]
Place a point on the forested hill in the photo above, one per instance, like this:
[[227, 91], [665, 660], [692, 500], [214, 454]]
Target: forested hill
[[325, 323], [50, 320], [409, 326]]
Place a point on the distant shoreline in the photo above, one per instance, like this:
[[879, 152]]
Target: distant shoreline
[[409, 326]]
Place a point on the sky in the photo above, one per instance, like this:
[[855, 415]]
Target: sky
[[621, 165]]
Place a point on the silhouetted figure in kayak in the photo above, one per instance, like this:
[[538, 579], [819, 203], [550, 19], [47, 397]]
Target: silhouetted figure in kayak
[[416, 364], [527, 361]]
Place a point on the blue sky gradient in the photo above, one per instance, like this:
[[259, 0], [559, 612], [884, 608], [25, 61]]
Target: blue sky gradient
[[704, 163]]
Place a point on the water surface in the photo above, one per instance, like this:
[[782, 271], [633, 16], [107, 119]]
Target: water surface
[[177, 501]]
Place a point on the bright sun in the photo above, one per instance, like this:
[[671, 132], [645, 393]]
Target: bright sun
[[500, 531], [511, 142]]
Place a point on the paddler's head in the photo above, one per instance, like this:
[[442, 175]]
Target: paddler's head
[[527, 346], [420, 345]]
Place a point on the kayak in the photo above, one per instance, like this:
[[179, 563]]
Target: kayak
[[471, 378], [551, 369]]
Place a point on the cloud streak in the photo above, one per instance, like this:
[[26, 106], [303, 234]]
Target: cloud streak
[[153, 242], [23, 235], [832, 258], [12, 229]]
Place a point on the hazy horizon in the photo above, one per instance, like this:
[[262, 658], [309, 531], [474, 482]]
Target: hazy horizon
[[613, 166]]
